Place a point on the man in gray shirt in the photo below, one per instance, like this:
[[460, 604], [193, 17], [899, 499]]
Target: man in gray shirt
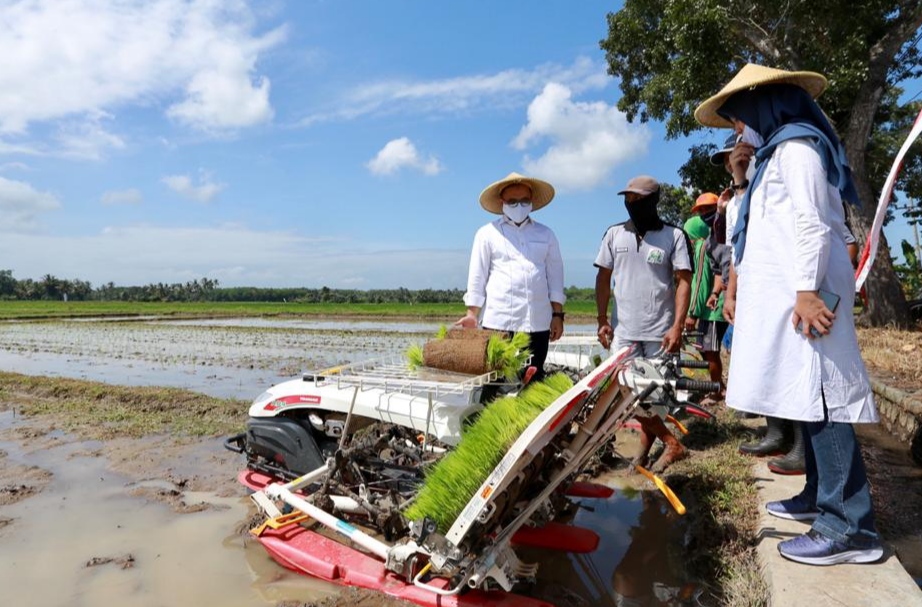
[[650, 264]]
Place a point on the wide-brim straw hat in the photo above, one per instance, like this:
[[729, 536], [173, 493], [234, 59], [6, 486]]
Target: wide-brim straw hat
[[541, 192], [751, 76]]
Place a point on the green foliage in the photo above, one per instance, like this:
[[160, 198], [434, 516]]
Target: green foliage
[[669, 55], [675, 204], [699, 175], [453, 480], [910, 272]]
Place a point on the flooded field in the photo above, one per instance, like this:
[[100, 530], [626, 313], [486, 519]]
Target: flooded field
[[230, 358], [88, 523]]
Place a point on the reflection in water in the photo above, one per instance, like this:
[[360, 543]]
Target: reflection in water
[[636, 564]]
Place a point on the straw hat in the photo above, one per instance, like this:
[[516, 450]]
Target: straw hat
[[541, 192], [749, 77]]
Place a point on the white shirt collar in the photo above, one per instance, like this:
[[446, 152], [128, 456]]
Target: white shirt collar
[[527, 221]]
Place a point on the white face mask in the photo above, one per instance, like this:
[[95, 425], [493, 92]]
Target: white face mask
[[517, 213], [751, 137]]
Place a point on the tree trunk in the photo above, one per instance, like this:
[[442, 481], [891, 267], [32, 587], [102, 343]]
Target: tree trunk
[[886, 300]]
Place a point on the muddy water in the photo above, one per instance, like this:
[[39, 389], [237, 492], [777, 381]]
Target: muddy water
[[636, 561], [86, 512]]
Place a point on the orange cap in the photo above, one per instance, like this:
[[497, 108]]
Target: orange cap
[[705, 200]]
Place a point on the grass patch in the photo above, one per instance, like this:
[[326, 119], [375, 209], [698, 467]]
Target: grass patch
[[718, 487], [100, 411], [33, 310]]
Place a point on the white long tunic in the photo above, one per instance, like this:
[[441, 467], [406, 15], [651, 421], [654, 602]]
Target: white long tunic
[[795, 243]]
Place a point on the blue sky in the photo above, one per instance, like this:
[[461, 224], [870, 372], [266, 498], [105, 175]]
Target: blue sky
[[304, 143]]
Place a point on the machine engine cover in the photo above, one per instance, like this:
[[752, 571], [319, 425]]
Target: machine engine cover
[[284, 442]]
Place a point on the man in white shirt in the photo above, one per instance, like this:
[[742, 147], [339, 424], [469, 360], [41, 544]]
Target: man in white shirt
[[515, 281]]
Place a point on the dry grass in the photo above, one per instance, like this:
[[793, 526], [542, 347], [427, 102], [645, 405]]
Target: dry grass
[[893, 356]]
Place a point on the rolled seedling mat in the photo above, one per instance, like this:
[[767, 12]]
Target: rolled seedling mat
[[468, 355]]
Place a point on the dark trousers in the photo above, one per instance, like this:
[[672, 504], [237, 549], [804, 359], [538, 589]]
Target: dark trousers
[[538, 345]]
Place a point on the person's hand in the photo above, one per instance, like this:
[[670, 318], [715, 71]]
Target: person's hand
[[672, 340], [811, 311], [605, 334], [556, 328], [711, 303], [729, 306], [467, 322], [724, 199], [690, 323], [740, 158]]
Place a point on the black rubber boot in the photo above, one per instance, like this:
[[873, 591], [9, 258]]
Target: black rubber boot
[[775, 440], [793, 461]]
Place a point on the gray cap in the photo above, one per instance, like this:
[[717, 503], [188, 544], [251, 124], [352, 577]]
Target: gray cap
[[718, 156], [643, 185]]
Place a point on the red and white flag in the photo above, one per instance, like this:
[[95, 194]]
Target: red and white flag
[[870, 247]]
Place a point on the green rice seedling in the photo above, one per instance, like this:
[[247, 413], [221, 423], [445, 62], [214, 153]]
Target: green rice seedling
[[442, 333], [452, 482], [508, 355], [415, 356]]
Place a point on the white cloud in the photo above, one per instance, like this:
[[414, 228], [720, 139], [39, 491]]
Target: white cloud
[[233, 254], [587, 140], [183, 185], [81, 57], [14, 166], [506, 89], [20, 205], [86, 138], [401, 153], [117, 197]]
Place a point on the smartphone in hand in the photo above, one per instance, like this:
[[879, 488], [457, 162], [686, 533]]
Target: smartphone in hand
[[832, 302]]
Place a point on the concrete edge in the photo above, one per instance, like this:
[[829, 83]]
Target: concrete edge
[[793, 584]]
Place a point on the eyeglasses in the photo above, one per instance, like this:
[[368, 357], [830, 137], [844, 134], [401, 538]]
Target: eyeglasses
[[517, 203]]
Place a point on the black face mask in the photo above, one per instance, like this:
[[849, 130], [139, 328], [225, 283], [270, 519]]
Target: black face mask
[[709, 217], [643, 213]]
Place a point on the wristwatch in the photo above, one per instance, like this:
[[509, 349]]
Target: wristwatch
[[740, 186], [559, 315]]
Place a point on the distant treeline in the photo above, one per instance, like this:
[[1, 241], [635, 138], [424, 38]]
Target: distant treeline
[[206, 289]]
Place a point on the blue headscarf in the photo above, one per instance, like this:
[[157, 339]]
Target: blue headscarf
[[779, 112]]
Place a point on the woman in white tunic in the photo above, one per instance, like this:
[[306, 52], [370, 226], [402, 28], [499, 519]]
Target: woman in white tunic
[[797, 355]]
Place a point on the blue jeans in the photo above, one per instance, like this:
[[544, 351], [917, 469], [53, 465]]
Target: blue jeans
[[838, 484]]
